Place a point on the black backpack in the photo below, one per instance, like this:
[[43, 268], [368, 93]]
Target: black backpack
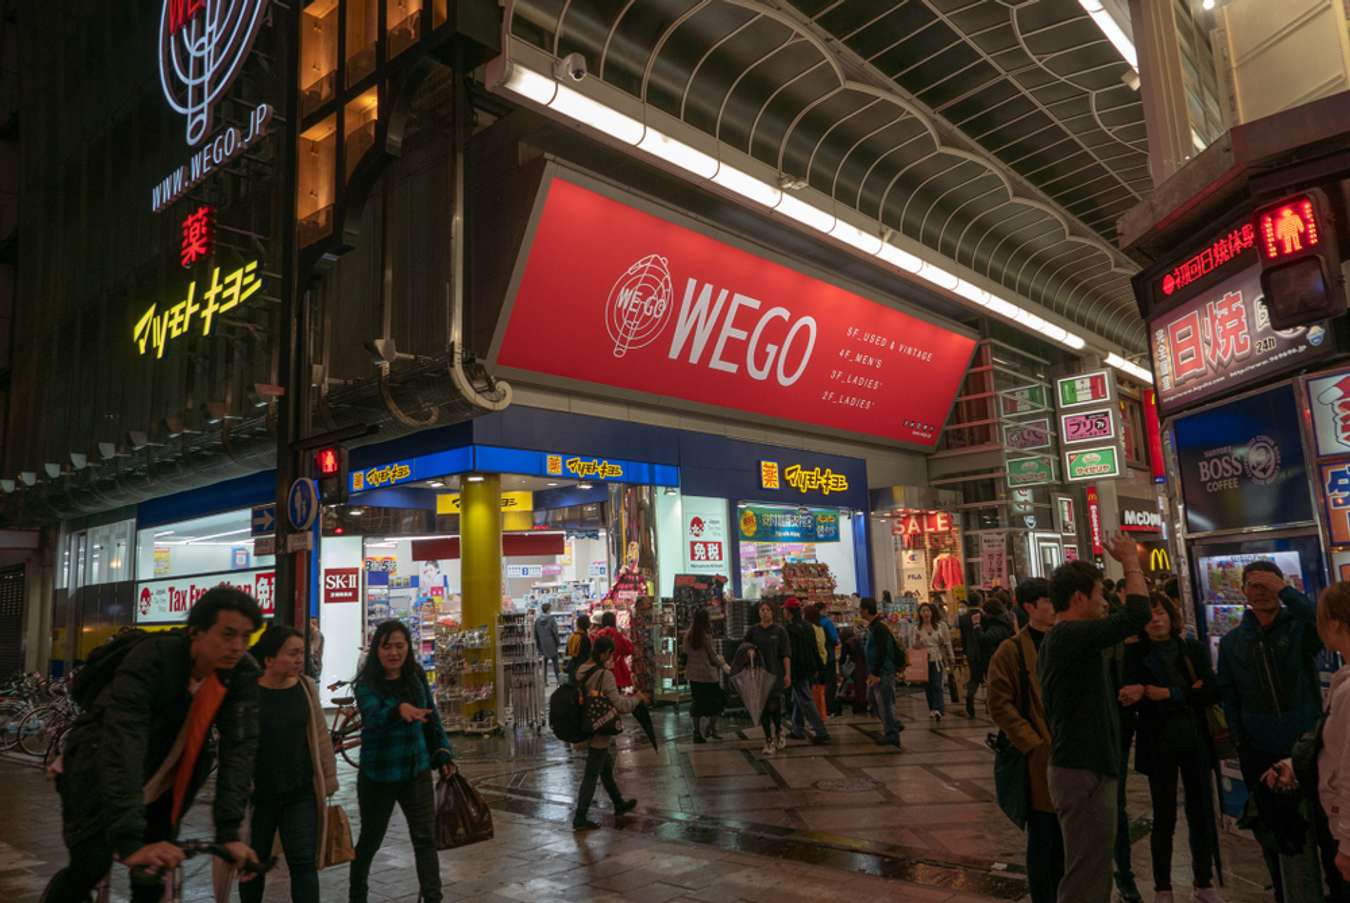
[[567, 714], [102, 664]]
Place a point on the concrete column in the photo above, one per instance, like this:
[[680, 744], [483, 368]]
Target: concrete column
[[1161, 88]]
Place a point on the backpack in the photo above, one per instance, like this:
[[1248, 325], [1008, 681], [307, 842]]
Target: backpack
[[567, 713], [101, 665]]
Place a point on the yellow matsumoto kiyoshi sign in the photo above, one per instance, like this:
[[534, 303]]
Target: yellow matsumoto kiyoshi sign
[[583, 468], [448, 502], [803, 479], [157, 327]]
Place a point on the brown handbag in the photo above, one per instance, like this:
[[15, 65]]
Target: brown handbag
[[338, 840], [462, 816]]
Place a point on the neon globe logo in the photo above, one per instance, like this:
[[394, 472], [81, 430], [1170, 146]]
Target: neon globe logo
[[202, 48]]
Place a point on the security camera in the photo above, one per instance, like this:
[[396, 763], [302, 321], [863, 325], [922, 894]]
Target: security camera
[[571, 67]]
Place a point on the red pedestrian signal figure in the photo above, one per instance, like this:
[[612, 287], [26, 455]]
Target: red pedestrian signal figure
[[1300, 272], [198, 235], [1288, 228]]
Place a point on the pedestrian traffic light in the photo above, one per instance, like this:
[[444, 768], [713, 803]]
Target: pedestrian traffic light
[[330, 472], [1300, 260]]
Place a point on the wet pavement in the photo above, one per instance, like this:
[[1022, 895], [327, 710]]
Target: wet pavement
[[716, 822]]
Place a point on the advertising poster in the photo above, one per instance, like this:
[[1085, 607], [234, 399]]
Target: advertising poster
[[1222, 339], [1242, 464], [661, 309], [994, 559], [168, 601], [1028, 436], [1336, 489], [706, 545], [761, 524]]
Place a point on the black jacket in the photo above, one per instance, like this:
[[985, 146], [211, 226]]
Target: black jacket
[[1174, 727], [989, 636], [119, 744], [806, 661]]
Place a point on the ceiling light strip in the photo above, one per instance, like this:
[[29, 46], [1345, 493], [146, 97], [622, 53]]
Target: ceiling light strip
[[584, 110]]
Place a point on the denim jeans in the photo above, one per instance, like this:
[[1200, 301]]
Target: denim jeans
[[804, 709], [934, 688], [296, 817], [883, 698], [417, 799]]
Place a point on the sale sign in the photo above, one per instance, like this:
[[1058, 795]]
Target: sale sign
[[1089, 426], [341, 584], [168, 601], [610, 295]]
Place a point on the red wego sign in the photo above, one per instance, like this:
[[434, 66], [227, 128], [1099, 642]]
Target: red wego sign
[[614, 296]]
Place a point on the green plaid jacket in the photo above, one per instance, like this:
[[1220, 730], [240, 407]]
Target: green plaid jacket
[[394, 750]]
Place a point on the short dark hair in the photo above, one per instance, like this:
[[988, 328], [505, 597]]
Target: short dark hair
[[608, 619], [1172, 588], [1071, 577], [206, 612], [270, 643], [868, 605], [994, 607], [974, 599], [1263, 564], [583, 621], [1032, 590], [600, 647]]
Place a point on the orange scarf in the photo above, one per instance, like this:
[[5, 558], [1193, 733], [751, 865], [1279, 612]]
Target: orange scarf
[[205, 705]]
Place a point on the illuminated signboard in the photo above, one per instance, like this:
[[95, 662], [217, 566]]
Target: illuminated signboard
[[1223, 338], [1224, 250], [583, 468], [202, 49], [384, 475], [662, 310], [1092, 463], [199, 235], [1288, 229], [1087, 426], [156, 328], [803, 479]]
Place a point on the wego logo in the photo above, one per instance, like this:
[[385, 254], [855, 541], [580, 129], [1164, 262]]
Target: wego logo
[[641, 302], [202, 47]]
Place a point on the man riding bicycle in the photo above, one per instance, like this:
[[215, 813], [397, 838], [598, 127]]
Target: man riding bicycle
[[135, 760]]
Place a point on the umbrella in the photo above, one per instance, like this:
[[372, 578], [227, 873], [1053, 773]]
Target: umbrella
[[753, 683], [643, 716]]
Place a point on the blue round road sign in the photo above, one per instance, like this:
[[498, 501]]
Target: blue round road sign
[[302, 504]]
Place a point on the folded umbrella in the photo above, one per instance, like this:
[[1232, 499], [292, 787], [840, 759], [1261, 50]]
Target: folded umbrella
[[643, 716], [753, 683]]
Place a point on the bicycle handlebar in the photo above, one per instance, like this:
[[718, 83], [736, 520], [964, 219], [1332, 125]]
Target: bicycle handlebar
[[146, 876], [339, 684]]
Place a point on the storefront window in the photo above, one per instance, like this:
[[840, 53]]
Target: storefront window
[[802, 552], [97, 555], [213, 544]]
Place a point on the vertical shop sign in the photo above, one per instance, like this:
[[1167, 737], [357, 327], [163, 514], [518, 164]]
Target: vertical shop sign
[[993, 559], [1153, 432], [1094, 520], [705, 535], [341, 584]]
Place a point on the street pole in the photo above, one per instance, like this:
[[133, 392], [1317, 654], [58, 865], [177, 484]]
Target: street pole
[[293, 404]]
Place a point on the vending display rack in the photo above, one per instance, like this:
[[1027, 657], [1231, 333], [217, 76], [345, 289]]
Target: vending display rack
[[808, 582], [643, 633], [465, 679], [521, 677]]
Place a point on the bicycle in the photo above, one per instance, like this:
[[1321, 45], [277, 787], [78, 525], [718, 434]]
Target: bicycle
[[42, 730], [346, 730]]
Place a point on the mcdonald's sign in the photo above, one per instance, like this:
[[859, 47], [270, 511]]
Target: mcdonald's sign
[[1158, 559]]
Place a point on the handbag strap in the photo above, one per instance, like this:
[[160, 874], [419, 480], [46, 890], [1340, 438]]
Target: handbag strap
[[1024, 682]]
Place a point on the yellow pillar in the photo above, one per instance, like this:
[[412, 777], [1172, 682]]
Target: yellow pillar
[[480, 551]]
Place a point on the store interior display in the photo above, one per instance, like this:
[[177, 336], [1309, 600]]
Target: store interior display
[[522, 672], [643, 634], [1221, 590], [465, 679]]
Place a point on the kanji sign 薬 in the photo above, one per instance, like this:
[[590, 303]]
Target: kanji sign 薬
[[199, 235], [1223, 338], [155, 328]]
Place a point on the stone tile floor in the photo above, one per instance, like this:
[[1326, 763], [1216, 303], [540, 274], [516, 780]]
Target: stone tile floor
[[717, 822]]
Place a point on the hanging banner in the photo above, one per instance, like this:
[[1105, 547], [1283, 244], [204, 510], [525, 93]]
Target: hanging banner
[[1153, 433], [1085, 388], [1094, 507], [994, 559], [611, 295], [1064, 514], [759, 524]]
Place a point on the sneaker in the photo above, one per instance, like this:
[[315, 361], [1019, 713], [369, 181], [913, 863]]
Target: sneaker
[[780, 742], [1206, 895], [769, 748]]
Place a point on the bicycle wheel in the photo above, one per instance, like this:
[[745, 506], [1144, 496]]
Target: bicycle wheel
[[36, 730], [11, 713], [347, 739]]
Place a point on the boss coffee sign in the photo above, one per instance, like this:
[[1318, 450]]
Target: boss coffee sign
[[610, 295], [1242, 464]]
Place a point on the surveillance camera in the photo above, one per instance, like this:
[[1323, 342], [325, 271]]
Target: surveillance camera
[[571, 67]]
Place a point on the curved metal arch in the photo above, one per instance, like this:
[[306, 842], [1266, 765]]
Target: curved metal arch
[[937, 202], [942, 233], [811, 160], [609, 37], [782, 18], [763, 107], [707, 54], [839, 169], [660, 45], [731, 89]]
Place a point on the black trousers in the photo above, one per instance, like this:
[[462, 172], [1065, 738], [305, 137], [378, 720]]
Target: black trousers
[[1162, 788], [771, 719], [1045, 856], [376, 800], [92, 859], [296, 816], [599, 767]]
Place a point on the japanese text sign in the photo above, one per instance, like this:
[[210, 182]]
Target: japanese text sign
[[761, 524], [1336, 488], [1092, 463], [1094, 506], [1088, 426], [1222, 339], [648, 305], [1225, 249], [824, 480], [1030, 472], [154, 329]]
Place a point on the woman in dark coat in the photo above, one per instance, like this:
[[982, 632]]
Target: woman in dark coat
[[1170, 684]]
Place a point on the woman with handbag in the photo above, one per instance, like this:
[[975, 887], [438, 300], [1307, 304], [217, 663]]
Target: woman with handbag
[[932, 636], [604, 704], [704, 669], [402, 740], [295, 771], [1171, 685]]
